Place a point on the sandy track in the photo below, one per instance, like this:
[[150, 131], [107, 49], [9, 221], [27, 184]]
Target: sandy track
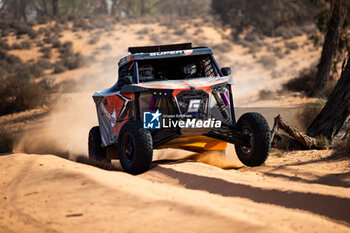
[[294, 193]]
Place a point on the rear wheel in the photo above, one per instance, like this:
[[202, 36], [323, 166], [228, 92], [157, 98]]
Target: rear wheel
[[254, 125], [135, 147], [96, 151]]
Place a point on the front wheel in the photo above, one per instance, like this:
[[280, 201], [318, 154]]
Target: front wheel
[[254, 125], [96, 151], [135, 147]]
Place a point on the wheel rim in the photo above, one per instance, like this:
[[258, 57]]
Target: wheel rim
[[128, 147], [245, 149]]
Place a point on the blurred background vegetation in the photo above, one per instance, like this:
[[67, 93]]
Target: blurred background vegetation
[[250, 22], [253, 24]]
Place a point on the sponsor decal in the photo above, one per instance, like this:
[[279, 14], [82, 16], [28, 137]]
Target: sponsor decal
[[194, 105], [188, 52], [111, 117], [153, 120], [191, 123]]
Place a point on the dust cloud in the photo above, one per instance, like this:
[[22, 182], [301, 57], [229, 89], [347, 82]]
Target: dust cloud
[[64, 131]]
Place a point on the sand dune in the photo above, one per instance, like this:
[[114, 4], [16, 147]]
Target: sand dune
[[45, 193]]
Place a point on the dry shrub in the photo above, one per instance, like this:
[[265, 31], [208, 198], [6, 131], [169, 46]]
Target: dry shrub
[[66, 49], [66, 86], [26, 45], [284, 144], [268, 62], [283, 32], [198, 31], [58, 67], [94, 40], [33, 34], [155, 39], [20, 27], [254, 48], [322, 142], [180, 31], [46, 52], [276, 50], [309, 112], [222, 47], [265, 94], [50, 38], [342, 146], [73, 61], [303, 82], [143, 31], [6, 140], [16, 46], [82, 24], [296, 31], [244, 43], [291, 45], [17, 94], [106, 47], [4, 45], [8, 62], [44, 63], [252, 37], [27, 71], [12, 66], [56, 44]]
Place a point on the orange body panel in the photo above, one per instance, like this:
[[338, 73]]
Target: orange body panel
[[114, 106]]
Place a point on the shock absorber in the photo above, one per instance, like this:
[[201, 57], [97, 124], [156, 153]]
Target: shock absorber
[[222, 108]]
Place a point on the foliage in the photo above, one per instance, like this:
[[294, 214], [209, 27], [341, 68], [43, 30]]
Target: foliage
[[242, 14], [42, 10]]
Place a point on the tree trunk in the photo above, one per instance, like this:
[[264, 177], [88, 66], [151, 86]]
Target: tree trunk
[[330, 45], [142, 8], [54, 7], [103, 7], [22, 9], [114, 7], [298, 140], [336, 111], [43, 2]]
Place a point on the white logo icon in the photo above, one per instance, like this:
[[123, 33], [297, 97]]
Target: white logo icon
[[194, 105]]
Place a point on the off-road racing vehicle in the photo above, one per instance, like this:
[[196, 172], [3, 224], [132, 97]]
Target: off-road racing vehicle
[[172, 96]]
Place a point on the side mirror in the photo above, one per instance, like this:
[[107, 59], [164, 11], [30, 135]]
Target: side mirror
[[226, 71], [128, 79]]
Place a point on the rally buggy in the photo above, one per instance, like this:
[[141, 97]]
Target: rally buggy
[[172, 96]]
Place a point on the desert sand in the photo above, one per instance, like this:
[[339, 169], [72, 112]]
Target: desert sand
[[295, 192], [303, 191]]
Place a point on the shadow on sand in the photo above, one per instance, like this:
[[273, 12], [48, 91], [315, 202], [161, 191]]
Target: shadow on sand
[[329, 206]]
